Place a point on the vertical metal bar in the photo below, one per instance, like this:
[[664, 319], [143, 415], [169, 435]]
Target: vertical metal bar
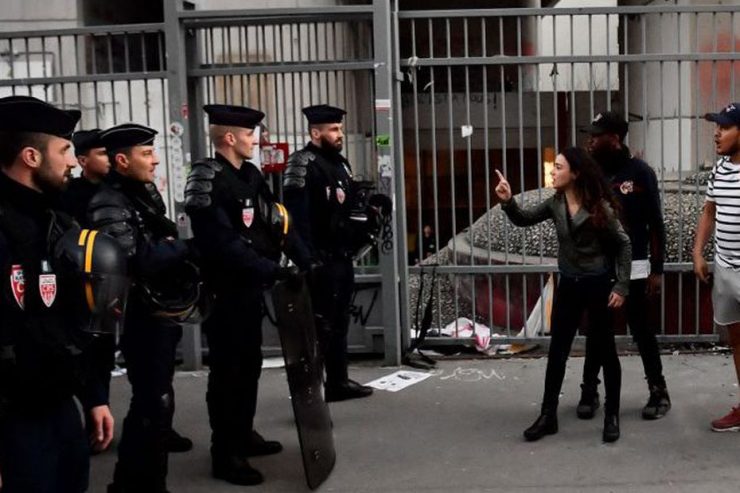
[[435, 178], [697, 154], [680, 179], [390, 262], [417, 150], [661, 65], [504, 165], [177, 95], [469, 158]]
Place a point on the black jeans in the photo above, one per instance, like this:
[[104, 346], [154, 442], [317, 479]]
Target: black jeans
[[148, 346], [44, 451], [643, 335], [573, 297], [234, 334]]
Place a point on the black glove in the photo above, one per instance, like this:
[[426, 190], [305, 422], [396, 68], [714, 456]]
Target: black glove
[[382, 203], [292, 277]]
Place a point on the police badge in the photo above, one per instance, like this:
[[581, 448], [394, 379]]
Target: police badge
[[17, 284], [248, 213], [627, 187], [48, 289]]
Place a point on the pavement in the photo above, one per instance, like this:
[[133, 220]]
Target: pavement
[[460, 430]]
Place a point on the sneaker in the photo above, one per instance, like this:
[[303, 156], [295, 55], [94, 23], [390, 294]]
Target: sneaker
[[731, 422], [588, 404], [658, 404]]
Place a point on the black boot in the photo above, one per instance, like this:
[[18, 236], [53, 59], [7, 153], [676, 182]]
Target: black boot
[[611, 427], [658, 404], [346, 390], [174, 442], [235, 470], [589, 402], [546, 424], [259, 446]]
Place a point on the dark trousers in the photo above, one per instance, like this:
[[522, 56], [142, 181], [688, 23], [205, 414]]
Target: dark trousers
[[148, 345], [44, 451], [234, 335], [643, 335], [331, 296], [573, 297]]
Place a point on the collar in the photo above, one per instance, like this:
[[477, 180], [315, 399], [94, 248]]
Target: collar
[[24, 198]]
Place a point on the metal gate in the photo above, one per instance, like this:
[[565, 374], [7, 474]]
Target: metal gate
[[504, 89]]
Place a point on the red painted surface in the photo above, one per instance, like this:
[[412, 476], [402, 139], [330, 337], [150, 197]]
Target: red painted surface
[[718, 73]]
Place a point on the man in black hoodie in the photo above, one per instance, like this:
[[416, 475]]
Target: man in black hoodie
[[635, 185]]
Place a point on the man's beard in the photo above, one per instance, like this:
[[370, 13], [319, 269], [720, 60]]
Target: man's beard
[[44, 180], [608, 158], [329, 146]]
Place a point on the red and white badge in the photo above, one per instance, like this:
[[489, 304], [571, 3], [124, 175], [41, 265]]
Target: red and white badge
[[17, 284], [48, 288], [248, 216], [340, 195], [627, 187]]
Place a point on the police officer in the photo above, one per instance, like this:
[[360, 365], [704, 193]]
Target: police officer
[[129, 207], [317, 186], [42, 349], [238, 229], [93, 159], [636, 187]]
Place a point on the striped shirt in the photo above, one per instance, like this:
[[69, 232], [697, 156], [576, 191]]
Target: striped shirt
[[724, 190]]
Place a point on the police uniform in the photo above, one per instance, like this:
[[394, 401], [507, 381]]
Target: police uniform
[[80, 190], [43, 363], [133, 213], [230, 209], [320, 196]]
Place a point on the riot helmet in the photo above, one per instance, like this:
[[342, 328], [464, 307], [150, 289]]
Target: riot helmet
[[177, 294], [97, 265]]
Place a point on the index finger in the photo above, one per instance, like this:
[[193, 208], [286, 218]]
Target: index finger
[[500, 176]]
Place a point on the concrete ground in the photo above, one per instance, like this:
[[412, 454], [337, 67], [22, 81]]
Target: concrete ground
[[460, 431]]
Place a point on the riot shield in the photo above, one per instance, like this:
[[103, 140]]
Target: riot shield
[[295, 324]]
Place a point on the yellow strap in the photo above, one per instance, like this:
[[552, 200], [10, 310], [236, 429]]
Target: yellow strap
[[284, 212], [88, 268], [83, 237]]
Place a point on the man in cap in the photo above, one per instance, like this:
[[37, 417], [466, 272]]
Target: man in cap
[[318, 192], [231, 211], [93, 159], [721, 208], [635, 185], [129, 207], [42, 349]]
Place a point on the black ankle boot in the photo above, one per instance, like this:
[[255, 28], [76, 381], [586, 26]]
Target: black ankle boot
[[546, 424], [611, 427], [658, 404], [588, 404]]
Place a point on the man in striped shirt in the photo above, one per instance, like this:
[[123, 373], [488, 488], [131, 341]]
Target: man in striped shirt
[[721, 215]]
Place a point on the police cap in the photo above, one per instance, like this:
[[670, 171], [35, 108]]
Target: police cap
[[84, 140], [29, 114], [323, 113], [127, 135], [233, 116]]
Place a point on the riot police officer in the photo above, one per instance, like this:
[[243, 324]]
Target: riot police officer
[[43, 362], [93, 159], [239, 230], [321, 198], [129, 207]]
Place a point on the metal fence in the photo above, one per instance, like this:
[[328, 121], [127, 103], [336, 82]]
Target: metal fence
[[504, 89], [436, 101]]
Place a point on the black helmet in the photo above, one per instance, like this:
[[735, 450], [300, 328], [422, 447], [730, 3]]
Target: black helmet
[[177, 294], [98, 265]]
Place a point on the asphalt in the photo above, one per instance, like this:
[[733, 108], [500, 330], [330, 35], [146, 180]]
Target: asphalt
[[461, 431]]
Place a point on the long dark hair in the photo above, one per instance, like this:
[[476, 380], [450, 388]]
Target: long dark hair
[[591, 186]]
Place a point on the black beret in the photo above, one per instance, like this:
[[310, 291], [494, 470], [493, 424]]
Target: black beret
[[127, 135], [323, 113], [29, 114], [235, 116], [84, 140]]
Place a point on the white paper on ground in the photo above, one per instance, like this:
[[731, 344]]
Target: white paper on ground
[[398, 380], [640, 269], [273, 363]]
